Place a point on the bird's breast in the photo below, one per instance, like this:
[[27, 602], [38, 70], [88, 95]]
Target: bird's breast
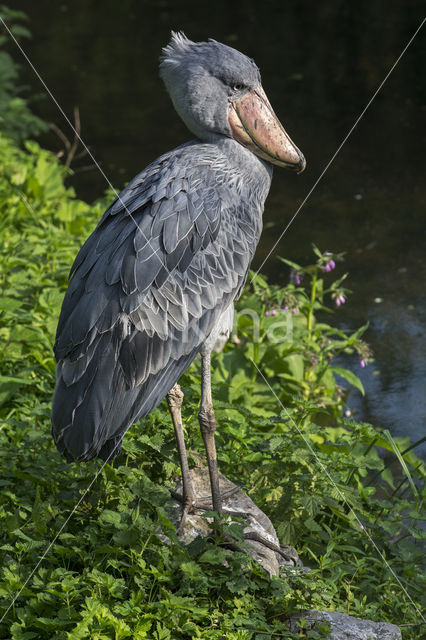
[[220, 333]]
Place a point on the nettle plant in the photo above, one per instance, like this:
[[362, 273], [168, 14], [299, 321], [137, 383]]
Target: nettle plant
[[278, 339]]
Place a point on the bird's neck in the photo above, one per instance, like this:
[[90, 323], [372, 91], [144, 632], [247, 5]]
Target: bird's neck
[[253, 171]]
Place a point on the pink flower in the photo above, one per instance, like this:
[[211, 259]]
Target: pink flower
[[363, 363], [328, 263], [340, 300], [296, 276]]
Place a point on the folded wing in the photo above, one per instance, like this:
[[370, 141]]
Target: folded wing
[[146, 289]]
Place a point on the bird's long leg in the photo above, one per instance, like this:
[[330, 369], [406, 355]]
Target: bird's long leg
[[208, 427], [175, 399]]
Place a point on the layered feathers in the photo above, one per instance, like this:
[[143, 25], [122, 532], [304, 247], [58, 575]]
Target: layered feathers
[[165, 262]]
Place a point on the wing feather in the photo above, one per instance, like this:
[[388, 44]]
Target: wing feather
[[147, 288]]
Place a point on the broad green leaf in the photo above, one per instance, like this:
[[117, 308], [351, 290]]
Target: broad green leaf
[[350, 377], [213, 556], [10, 385], [10, 304]]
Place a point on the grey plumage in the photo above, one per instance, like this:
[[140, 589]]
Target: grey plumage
[[143, 298], [164, 264]]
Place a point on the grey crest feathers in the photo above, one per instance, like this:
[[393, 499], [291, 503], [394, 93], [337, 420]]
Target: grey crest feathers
[[178, 46], [213, 57]]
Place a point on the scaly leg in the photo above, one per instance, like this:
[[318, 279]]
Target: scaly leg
[[208, 427], [175, 399]]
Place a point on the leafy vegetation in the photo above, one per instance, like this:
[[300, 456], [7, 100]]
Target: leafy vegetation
[[16, 119], [83, 552]]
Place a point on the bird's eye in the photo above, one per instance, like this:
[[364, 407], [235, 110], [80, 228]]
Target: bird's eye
[[237, 87]]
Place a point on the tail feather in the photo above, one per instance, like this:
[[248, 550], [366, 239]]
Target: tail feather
[[91, 416]]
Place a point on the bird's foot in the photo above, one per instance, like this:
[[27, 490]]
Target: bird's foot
[[288, 554], [282, 551], [192, 504], [205, 503]]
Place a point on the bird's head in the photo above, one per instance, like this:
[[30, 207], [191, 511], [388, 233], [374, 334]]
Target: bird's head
[[217, 90]]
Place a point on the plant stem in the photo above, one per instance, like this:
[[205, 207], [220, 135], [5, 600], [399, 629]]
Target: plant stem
[[312, 301], [311, 315]]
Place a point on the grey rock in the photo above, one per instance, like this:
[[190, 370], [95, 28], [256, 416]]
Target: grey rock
[[345, 627], [236, 503]]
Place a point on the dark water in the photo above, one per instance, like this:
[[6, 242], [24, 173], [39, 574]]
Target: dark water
[[320, 63]]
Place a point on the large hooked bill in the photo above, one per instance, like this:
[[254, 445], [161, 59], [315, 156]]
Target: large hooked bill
[[254, 125]]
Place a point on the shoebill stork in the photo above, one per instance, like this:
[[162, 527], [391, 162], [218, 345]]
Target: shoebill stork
[[155, 283]]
